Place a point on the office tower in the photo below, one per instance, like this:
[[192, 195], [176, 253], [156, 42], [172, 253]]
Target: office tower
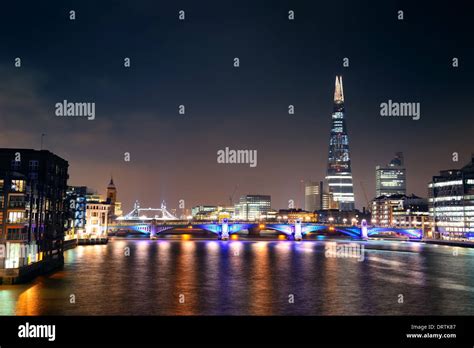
[[328, 202], [339, 173], [202, 209], [313, 196], [451, 200], [391, 179], [252, 207]]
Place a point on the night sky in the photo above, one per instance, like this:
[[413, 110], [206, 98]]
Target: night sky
[[191, 62]]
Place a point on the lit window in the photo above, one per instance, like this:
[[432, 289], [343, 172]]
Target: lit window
[[18, 185], [15, 217]]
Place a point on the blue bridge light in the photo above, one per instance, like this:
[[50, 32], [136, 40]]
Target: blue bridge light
[[288, 229]]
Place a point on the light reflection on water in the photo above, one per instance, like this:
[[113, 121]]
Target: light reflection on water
[[244, 277]]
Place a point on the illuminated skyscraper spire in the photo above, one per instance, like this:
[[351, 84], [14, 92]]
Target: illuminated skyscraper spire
[[338, 91], [339, 173]]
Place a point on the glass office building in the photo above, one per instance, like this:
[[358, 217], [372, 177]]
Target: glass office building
[[391, 179], [339, 173], [451, 199], [252, 207], [313, 196]]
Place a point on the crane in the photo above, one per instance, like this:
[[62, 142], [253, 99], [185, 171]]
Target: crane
[[231, 197], [365, 195]]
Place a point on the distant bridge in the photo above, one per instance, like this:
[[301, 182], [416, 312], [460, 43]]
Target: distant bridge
[[225, 228], [148, 214]]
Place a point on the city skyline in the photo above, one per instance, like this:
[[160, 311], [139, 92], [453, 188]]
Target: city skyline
[[174, 165], [336, 155], [301, 204], [245, 107]]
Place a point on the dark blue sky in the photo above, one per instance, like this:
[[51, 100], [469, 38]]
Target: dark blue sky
[[282, 62]]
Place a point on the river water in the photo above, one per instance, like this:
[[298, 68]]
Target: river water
[[250, 277]]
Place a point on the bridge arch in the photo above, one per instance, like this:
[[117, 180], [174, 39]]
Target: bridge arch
[[410, 233]]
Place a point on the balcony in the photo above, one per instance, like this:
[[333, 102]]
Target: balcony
[[17, 236], [16, 221], [17, 205]]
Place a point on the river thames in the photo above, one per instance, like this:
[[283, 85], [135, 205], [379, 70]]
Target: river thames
[[250, 277]]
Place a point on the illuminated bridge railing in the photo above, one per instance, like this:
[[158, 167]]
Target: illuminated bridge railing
[[148, 227], [411, 233]]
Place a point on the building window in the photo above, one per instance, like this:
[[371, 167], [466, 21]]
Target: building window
[[18, 185], [16, 217], [15, 234], [33, 165], [15, 165], [16, 201]]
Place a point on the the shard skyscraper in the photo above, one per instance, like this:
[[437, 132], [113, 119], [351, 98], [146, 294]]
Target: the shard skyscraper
[[339, 173]]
